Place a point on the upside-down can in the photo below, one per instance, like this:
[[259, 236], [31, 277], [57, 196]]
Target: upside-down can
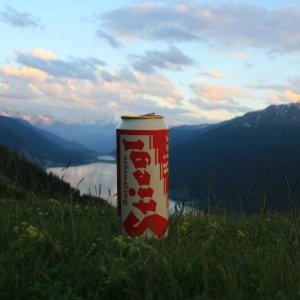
[[142, 175]]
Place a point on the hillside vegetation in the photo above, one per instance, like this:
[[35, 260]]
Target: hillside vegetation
[[61, 250], [21, 179], [53, 247]]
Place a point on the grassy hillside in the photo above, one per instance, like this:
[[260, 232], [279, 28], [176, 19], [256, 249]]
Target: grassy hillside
[[55, 244], [62, 250]]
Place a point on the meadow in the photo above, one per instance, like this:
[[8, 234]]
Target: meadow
[[65, 249]]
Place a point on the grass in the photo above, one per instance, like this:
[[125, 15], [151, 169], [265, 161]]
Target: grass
[[65, 250]]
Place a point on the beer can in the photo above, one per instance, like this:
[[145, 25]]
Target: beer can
[[142, 175]]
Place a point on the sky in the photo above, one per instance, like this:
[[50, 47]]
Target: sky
[[192, 61]]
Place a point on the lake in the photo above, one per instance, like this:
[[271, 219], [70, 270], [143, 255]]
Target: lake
[[96, 178]]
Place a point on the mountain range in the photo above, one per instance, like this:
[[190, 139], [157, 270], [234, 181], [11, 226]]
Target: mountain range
[[97, 137], [247, 162], [41, 146]]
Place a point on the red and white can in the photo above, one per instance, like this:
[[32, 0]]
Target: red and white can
[[142, 166]]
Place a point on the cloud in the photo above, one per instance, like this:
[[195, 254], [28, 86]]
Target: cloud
[[15, 88], [273, 97], [268, 86], [230, 106], [24, 72], [212, 97], [19, 19], [214, 74], [287, 96], [124, 74], [227, 23], [109, 38], [172, 34], [288, 92], [35, 118], [248, 66], [152, 21], [43, 54], [291, 96], [173, 59], [196, 117], [216, 92], [29, 117], [235, 55], [74, 68], [158, 88], [109, 94]]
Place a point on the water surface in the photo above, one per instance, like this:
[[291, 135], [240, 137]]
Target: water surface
[[98, 179]]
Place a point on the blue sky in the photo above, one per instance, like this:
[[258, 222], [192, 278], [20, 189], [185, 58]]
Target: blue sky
[[192, 61]]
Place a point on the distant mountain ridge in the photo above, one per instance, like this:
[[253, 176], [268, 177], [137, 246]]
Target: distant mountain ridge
[[182, 133], [97, 137], [40, 146], [241, 159], [101, 137]]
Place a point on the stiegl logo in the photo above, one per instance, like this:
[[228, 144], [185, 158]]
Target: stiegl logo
[[141, 162]]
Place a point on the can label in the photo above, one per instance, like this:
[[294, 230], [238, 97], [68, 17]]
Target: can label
[[143, 181]]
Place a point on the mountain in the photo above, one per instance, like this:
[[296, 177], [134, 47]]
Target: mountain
[[98, 137], [73, 145], [40, 146], [180, 134], [103, 137], [243, 161]]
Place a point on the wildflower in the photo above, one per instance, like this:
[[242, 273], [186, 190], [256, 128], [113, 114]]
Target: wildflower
[[121, 241], [240, 233], [184, 227], [54, 201], [16, 229], [32, 231]]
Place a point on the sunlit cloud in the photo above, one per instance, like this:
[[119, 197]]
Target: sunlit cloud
[[235, 55], [43, 54], [3, 86], [216, 92], [273, 97], [205, 117], [211, 97], [24, 72], [46, 62], [214, 74], [231, 106], [110, 91], [291, 96]]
